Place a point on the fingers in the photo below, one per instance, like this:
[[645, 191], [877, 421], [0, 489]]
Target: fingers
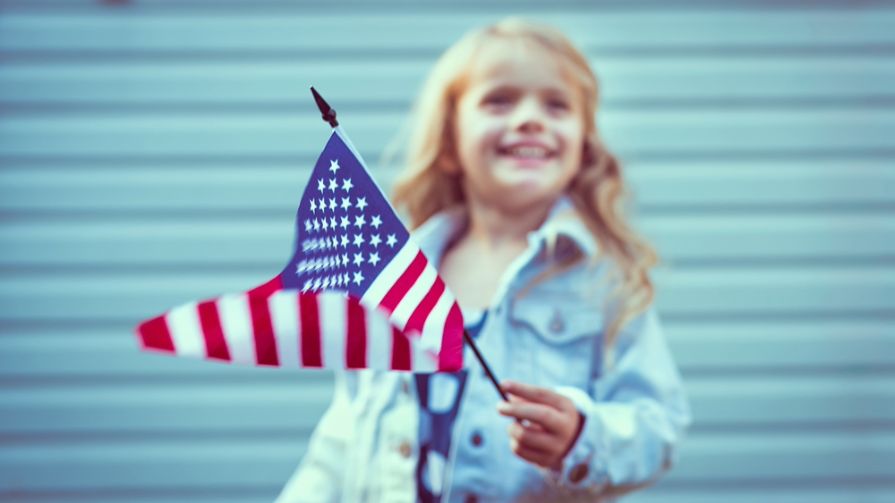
[[548, 417], [535, 456], [532, 438], [535, 394]]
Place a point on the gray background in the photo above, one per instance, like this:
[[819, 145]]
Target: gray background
[[153, 153]]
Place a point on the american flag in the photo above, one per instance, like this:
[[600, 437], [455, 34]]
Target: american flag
[[357, 292]]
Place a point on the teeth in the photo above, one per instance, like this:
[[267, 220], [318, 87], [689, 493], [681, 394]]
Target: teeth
[[529, 151]]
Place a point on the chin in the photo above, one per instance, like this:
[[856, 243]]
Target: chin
[[530, 193]]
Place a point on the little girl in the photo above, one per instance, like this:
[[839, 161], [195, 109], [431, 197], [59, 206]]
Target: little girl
[[514, 196]]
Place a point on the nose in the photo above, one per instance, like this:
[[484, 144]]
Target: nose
[[528, 117]]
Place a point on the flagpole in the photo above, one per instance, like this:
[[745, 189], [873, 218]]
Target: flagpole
[[485, 366], [328, 112], [329, 116]]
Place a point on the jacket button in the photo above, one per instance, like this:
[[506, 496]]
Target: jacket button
[[471, 498], [476, 439], [405, 387], [577, 473], [404, 449]]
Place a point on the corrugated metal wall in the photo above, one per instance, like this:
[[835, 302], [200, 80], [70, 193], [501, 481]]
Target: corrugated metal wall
[[153, 153]]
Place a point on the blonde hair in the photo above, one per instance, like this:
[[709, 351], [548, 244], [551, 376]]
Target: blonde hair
[[430, 184]]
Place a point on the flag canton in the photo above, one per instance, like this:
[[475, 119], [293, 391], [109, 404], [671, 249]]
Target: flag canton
[[346, 230]]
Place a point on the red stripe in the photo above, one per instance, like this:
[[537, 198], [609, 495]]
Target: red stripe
[[215, 343], [267, 289], [262, 328], [450, 358], [154, 334], [310, 331], [418, 317], [356, 338], [400, 350], [404, 283]]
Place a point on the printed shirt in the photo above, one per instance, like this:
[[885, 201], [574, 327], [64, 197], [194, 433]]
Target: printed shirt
[[439, 397]]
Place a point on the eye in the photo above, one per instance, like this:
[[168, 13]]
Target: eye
[[558, 104], [498, 101]]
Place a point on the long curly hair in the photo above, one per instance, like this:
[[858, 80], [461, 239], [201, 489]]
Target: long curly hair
[[429, 183]]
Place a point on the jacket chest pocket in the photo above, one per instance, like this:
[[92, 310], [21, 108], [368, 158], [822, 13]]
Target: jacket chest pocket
[[565, 335]]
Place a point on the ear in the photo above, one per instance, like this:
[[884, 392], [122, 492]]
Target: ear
[[588, 156], [449, 165]]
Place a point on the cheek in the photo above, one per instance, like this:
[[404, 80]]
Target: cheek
[[572, 138], [478, 136]]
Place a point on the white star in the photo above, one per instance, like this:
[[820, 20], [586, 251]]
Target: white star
[[347, 278], [300, 268], [332, 205], [313, 206], [333, 184], [361, 203], [326, 282], [334, 165], [374, 258], [359, 221], [347, 185], [307, 286], [344, 241], [321, 204], [358, 239], [344, 259], [375, 240], [321, 185], [346, 203], [332, 222], [345, 222], [358, 258], [325, 224], [308, 225], [316, 224], [358, 278], [317, 283], [391, 240], [377, 221]]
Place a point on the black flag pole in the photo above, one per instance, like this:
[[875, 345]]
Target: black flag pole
[[329, 116]]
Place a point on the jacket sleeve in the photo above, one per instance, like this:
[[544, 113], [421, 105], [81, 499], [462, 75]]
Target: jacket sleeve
[[634, 416], [319, 476]]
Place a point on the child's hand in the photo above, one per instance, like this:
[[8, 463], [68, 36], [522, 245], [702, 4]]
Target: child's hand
[[548, 423]]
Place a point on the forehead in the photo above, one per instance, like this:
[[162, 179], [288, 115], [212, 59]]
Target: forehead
[[520, 62]]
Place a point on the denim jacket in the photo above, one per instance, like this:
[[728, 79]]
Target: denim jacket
[[365, 447]]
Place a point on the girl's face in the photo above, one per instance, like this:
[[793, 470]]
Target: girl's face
[[519, 126]]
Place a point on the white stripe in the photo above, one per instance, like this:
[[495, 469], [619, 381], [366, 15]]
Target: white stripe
[[424, 359], [186, 330], [236, 321], [392, 271], [412, 298], [333, 328], [284, 315], [379, 340], [433, 330]]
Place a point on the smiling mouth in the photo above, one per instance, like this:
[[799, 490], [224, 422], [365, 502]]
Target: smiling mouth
[[532, 152]]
